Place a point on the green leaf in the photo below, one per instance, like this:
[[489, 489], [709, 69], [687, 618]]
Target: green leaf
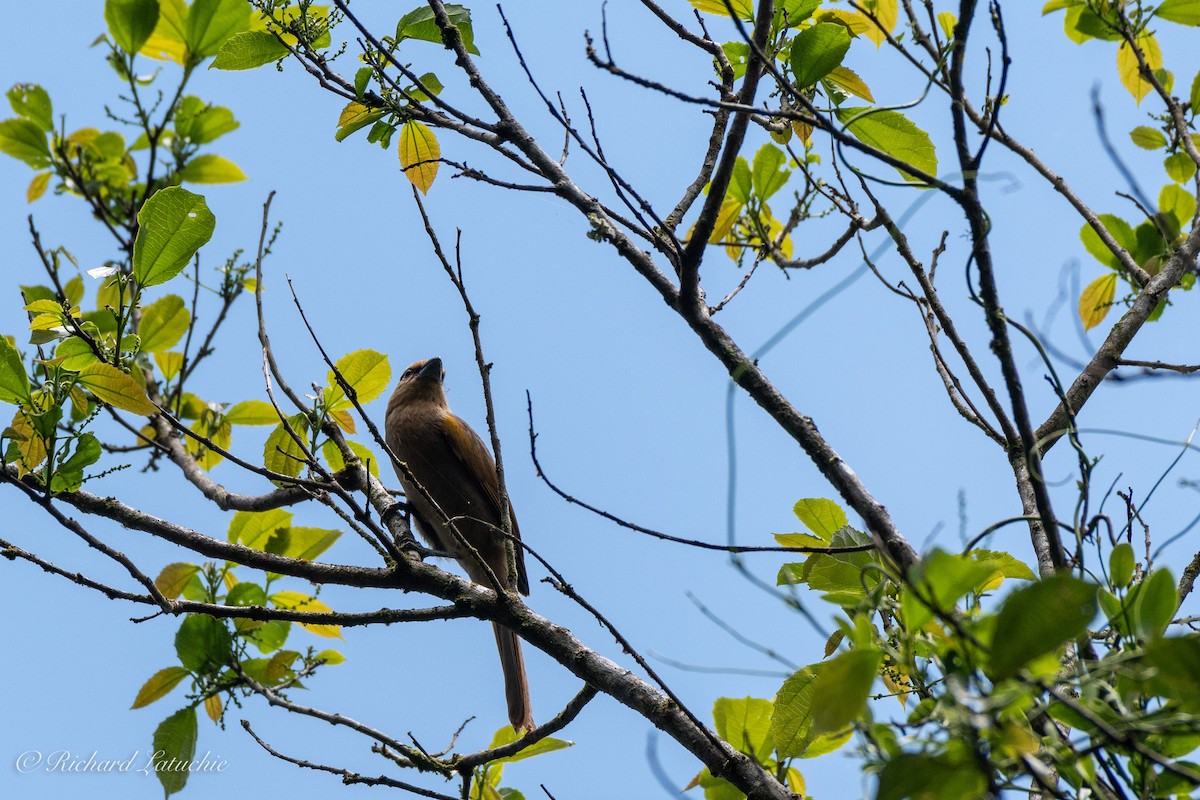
[[1194, 94], [1121, 233], [163, 323], [248, 50], [159, 686], [839, 693], [201, 123], [252, 412], [817, 50], [1096, 300], [68, 477], [210, 23], [174, 577], [1005, 566], [330, 657], [938, 582], [254, 528], [822, 517], [1185, 12], [269, 637], [1156, 604], [172, 225], [421, 24], [929, 777], [24, 140], [14, 383], [1148, 138], [1180, 167], [202, 643], [507, 735], [282, 453], [333, 457], [302, 543], [31, 101], [743, 8], [893, 133], [246, 594], [75, 353], [768, 175], [130, 22], [1038, 619], [1175, 659], [116, 388], [367, 372], [1120, 565], [175, 740], [847, 80], [1177, 202], [746, 724], [210, 168], [791, 719]]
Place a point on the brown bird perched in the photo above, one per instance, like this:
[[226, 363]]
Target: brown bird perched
[[455, 468]]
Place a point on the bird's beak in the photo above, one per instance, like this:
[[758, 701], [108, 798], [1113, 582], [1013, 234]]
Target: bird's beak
[[432, 369]]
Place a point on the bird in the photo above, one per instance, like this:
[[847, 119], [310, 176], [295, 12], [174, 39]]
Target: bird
[[454, 471]]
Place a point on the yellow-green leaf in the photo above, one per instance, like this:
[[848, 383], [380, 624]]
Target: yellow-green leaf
[[210, 168], [212, 707], [75, 353], [14, 383], [159, 686], [848, 81], [169, 364], [1148, 138], [419, 154], [298, 601], [174, 577], [30, 444], [1178, 202], [1128, 68], [163, 323], [282, 453], [166, 43], [255, 528], [252, 412], [333, 457], [1096, 300], [116, 388], [366, 371], [743, 8], [37, 186], [885, 13], [894, 134], [1185, 12]]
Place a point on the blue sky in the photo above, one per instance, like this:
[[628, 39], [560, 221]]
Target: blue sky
[[630, 408]]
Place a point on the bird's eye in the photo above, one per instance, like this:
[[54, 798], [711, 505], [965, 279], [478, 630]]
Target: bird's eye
[[408, 373]]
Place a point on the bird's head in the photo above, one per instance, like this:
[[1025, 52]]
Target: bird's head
[[420, 383]]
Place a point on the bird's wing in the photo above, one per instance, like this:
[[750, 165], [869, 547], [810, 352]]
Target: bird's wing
[[474, 455]]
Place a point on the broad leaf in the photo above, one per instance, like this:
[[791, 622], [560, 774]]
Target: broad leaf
[[248, 50], [116, 388], [159, 686], [25, 140], [202, 643], [420, 23], [172, 225], [822, 517], [840, 690], [210, 168], [366, 371], [163, 324], [14, 382], [210, 23], [130, 22], [817, 50], [31, 101], [1096, 300], [1038, 619], [893, 133], [175, 740], [419, 154]]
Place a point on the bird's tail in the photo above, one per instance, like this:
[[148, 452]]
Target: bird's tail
[[516, 686]]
